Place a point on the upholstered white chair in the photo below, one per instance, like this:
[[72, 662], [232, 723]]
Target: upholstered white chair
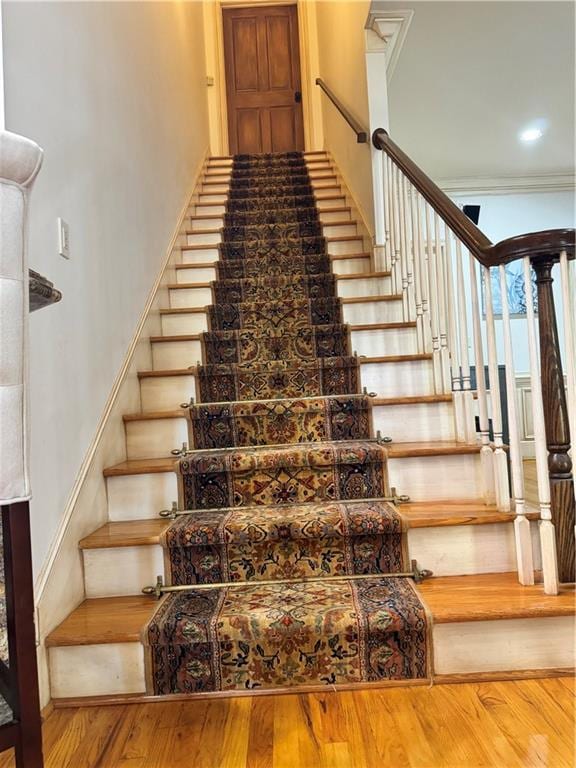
[[20, 161]]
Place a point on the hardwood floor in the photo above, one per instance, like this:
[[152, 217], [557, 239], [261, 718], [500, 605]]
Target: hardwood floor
[[504, 724]]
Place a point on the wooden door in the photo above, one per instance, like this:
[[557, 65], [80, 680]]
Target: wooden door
[[263, 83]]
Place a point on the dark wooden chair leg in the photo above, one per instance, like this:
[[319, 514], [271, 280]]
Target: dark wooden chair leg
[[21, 633]]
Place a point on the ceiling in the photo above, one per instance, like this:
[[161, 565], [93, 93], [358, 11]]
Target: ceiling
[[472, 74]]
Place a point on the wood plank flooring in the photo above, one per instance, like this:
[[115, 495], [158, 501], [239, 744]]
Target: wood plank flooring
[[504, 724]]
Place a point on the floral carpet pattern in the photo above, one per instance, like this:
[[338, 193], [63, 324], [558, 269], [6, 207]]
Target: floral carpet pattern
[[285, 491]]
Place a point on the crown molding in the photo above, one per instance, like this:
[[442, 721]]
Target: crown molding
[[386, 33], [508, 185]]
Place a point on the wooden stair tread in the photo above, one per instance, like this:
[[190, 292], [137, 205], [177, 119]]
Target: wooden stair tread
[[395, 451], [428, 514], [418, 515], [181, 413], [365, 299], [449, 598], [155, 415], [491, 596], [430, 448], [181, 337], [183, 310], [353, 276], [104, 620], [363, 361], [129, 533], [140, 467], [383, 326]]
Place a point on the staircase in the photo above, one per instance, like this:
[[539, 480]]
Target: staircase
[[483, 623]]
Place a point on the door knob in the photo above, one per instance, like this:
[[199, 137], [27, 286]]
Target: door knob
[[297, 97]]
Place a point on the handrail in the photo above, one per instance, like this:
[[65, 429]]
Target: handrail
[[361, 133], [549, 243]]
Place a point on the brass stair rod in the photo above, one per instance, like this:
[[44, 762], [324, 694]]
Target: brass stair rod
[[175, 512], [160, 588]]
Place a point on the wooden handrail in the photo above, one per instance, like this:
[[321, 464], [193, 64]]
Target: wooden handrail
[[361, 133], [549, 243]]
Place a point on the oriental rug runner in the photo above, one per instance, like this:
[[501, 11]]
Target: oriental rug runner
[[285, 489]]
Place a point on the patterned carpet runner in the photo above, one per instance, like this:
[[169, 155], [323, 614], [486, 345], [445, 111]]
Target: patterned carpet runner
[[285, 486]]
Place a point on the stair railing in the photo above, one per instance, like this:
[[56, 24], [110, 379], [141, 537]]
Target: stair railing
[[447, 270]]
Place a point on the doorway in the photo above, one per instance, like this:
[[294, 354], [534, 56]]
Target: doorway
[[263, 80]]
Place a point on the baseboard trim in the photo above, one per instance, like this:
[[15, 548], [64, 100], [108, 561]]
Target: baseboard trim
[[471, 677], [515, 674], [144, 698], [46, 570]]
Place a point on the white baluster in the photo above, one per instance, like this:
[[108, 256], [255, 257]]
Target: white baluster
[[522, 533], [403, 244], [387, 258], [407, 253], [467, 398], [454, 345], [420, 336], [434, 309], [547, 533], [486, 456], [500, 462], [423, 271], [442, 309]]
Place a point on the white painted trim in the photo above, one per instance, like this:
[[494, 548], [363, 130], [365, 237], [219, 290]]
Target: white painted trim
[[508, 185], [390, 29], [2, 114], [46, 571]]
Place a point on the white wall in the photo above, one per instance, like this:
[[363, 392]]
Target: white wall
[[342, 64], [115, 94]]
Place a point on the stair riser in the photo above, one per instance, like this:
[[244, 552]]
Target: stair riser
[[155, 438], [362, 313], [200, 297], [319, 180], [209, 253], [446, 551], [199, 223], [161, 393], [459, 648], [170, 355], [141, 497], [339, 267], [328, 230], [184, 325], [219, 195], [365, 312], [432, 478], [323, 166]]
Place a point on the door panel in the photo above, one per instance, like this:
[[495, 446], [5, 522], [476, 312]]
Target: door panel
[[262, 79]]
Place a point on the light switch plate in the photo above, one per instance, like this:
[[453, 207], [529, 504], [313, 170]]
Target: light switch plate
[[63, 239]]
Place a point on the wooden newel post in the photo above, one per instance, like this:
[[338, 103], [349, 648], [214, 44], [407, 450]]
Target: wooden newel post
[[556, 421]]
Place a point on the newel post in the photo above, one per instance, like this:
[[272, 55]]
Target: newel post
[[556, 422]]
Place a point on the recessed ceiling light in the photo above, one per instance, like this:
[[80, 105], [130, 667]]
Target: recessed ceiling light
[[531, 134]]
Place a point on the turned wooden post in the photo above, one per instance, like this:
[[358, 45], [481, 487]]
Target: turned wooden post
[[556, 421]]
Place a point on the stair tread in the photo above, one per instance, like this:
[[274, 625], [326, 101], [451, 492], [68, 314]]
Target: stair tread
[[449, 598], [419, 515], [363, 361], [367, 327], [395, 451], [181, 413], [353, 276], [492, 596]]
